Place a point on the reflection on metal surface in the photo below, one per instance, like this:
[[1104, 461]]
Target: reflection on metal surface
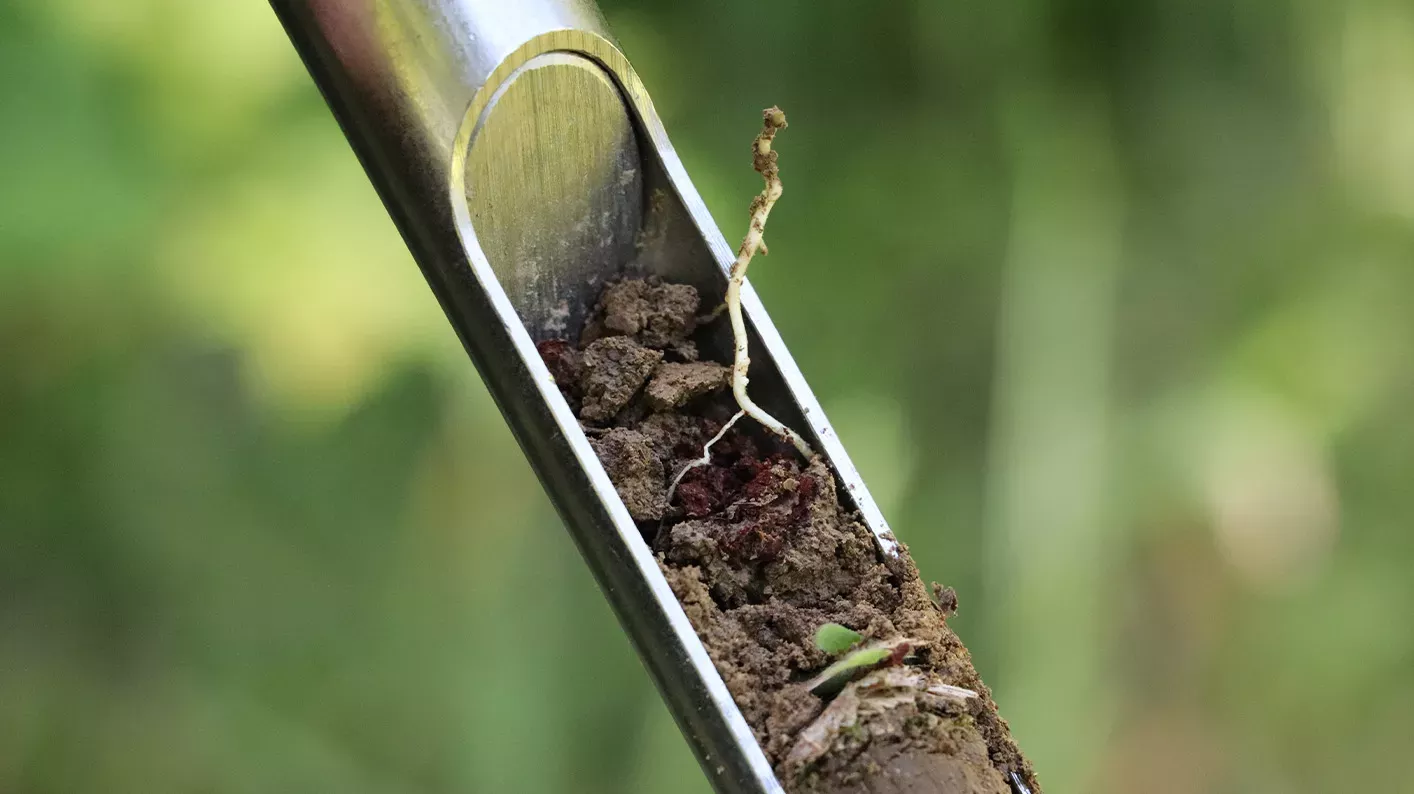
[[555, 188]]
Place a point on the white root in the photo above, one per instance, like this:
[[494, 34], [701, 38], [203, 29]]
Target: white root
[[764, 161], [706, 454]]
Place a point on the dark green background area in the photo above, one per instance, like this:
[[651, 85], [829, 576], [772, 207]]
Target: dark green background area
[[1112, 303]]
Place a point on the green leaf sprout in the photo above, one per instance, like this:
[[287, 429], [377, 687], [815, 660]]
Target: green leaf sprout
[[847, 669], [832, 638]]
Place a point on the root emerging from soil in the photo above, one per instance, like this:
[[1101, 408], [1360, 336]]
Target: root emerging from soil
[[760, 552], [763, 159]]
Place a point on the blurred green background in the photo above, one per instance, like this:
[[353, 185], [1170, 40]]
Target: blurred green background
[[1111, 300]]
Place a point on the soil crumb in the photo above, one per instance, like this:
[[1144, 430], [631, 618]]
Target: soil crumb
[[658, 315], [760, 552], [612, 371], [639, 476], [674, 385]]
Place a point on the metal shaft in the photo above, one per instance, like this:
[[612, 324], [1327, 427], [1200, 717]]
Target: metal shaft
[[400, 75], [522, 161]]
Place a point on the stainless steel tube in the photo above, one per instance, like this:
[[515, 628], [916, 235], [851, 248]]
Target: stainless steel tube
[[400, 76], [522, 161]]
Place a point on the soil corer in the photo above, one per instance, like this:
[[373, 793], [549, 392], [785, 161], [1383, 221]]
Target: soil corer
[[520, 157]]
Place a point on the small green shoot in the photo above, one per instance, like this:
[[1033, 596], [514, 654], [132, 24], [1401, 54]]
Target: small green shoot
[[832, 638], [834, 677]]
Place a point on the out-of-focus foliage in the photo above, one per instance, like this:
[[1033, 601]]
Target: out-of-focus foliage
[[1112, 302]]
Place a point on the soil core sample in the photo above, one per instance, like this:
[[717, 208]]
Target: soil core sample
[[761, 553]]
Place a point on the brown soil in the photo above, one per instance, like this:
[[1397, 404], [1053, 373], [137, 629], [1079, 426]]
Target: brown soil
[[761, 553]]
